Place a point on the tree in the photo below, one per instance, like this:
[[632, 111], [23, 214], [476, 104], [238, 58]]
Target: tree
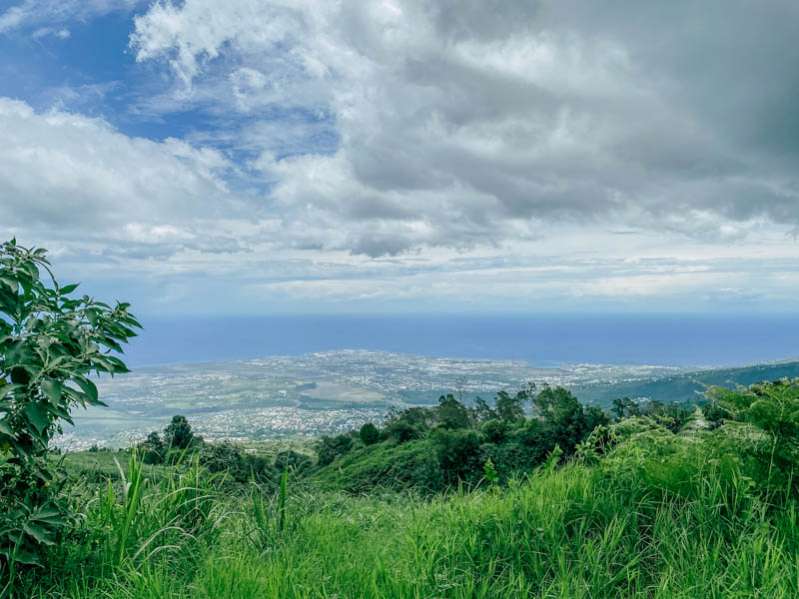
[[452, 413], [624, 407], [369, 434], [178, 433], [494, 430], [459, 455], [152, 449], [51, 341], [565, 422], [482, 412], [410, 423], [403, 431], [510, 408], [329, 448]]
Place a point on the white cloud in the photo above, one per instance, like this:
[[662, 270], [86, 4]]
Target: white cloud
[[418, 154], [78, 176], [461, 126]]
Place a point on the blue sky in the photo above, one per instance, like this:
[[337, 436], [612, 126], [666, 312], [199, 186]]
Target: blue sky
[[261, 156]]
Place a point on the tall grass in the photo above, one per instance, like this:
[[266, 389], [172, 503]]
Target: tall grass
[[650, 521]]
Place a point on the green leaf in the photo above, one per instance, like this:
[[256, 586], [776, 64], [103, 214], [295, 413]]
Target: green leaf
[[5, 428], [6, 388], [89, 388], [67, 289], [23, 556], [36, 413], [10, 283], [41, 535], [53, 390]]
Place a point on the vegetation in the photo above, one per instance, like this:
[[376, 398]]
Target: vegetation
[[638, 510], [50, 341], [531, 495]]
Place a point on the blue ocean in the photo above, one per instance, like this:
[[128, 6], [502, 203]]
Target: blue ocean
[[672, 340]]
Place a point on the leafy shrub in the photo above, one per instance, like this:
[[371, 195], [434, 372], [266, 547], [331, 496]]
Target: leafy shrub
[[772, 409], [240, 467], [403, 431], [369, 434], [494, 430], [178, 434], [50, 342], [459, 455], [152, 449], [408, 424], [451, 413], [293, 461], [329, 448]]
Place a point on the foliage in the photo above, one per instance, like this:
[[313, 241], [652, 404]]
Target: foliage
[[495, 430], [51, 341], [657, 515], [510, 408], [178, 434], [773, 409], [153, 450], [482, 412], [226, 458], [292, 461], [459, 455], [410, 465], [269, 515], [329, 448], [451, 413], [369, 434], [410, 423]]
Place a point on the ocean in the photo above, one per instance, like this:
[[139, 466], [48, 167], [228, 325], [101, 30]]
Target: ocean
[[667, 340]]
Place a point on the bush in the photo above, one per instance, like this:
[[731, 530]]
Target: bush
[[402, 431], [50, 343], [292, 461], [227, 458], [369, 434], [329, 448], [494, 430], [459, 455], [152, 450], [178, 434]]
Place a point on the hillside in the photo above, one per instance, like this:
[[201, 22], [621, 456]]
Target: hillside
[[664, 502], [683, 387]]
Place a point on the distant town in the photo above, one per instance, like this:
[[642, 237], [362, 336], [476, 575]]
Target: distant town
[[308, 395]]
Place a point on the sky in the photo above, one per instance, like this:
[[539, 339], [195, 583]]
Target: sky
[[406, 156]]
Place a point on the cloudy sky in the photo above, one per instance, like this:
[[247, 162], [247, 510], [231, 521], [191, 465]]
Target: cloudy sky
[[257, 156]]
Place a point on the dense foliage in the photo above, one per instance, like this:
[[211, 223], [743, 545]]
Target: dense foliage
[[639, 510], [50, 342]]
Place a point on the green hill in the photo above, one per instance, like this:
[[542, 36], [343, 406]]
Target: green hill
[[685, 387]]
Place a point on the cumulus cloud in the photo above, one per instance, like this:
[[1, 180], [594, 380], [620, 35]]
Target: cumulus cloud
[[79, 177], [462, 123], [499, 154]]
